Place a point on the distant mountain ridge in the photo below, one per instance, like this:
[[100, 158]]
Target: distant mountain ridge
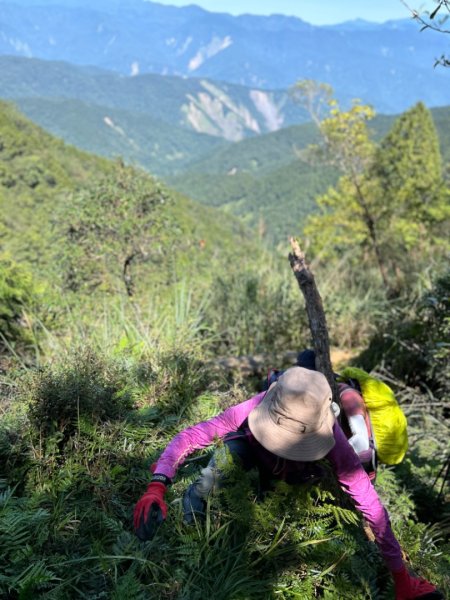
[[218, 109], [389, 65]]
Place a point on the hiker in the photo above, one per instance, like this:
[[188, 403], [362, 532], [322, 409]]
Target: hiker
[[283, 432], [355, 420]]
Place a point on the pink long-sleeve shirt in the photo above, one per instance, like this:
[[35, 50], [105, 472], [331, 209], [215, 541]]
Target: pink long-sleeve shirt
[[350, 474]]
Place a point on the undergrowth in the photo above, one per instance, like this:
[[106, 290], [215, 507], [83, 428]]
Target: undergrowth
[[76, 442], [79, 431]]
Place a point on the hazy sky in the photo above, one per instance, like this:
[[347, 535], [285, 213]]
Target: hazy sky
[[318, 12]]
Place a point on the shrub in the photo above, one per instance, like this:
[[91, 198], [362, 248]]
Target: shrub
[[180, 378], [413, 344], [83, 387], [257, 313], [16, 295]]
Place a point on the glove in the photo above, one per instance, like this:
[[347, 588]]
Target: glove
[[151, 510], [408, 587]]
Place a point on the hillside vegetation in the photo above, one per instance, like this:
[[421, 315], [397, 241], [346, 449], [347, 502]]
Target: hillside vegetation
[[119, 296], [269, 180], [153, 144], [48, 190]]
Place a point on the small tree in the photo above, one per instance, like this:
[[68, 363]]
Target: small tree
[[314, 96], [390, 201], [110, 228], [347, 210]]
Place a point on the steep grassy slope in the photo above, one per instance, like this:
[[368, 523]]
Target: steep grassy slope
[[37, 174], [45, 186]]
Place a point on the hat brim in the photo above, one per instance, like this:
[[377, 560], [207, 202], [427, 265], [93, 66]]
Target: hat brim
[[305, 447]]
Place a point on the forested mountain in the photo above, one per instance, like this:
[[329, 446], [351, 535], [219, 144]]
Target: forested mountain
[[263, 52], [264, 179], [218, 109], [260, 179]]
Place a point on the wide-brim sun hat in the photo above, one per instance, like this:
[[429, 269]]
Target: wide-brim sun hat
[[295, 418]]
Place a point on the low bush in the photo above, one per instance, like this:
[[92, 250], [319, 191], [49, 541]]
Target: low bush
[[84, 387], [17, 295]]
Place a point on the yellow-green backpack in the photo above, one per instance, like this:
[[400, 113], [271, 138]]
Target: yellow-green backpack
[[388, 421]]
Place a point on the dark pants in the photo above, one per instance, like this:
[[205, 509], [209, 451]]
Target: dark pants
[[249, 454]]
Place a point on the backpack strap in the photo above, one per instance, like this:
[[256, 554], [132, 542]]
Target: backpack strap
[[368, 458]]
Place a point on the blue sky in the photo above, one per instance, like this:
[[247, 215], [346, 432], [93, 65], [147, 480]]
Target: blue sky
[[318, 12]]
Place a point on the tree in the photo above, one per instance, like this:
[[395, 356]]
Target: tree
[[389, 198], [347, 146], [413, 200], [314, 96], [109, 229]]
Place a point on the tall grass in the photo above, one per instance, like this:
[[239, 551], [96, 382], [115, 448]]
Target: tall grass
[[117, 324]]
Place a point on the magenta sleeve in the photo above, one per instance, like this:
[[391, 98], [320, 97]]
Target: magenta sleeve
[[355, 481], [203, 434]]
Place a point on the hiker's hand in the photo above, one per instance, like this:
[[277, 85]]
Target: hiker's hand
[[150, 511], [408, 587]]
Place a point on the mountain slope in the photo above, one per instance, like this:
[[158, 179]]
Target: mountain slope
[[42, 180], [264, 181], [159, 147], [389, 65], [224, 110]]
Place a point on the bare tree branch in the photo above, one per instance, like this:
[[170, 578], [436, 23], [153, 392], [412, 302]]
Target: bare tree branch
[[316, 315]]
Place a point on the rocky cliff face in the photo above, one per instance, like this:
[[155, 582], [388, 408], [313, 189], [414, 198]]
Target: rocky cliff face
[[228, 111], [214, 112]]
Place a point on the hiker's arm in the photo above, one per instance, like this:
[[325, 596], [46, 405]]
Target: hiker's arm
[[356, 483], [202, 435], [151, 509]]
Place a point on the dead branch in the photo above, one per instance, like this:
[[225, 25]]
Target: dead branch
[[316, 315]]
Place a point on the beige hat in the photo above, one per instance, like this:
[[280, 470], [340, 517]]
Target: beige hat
[[295, 419]]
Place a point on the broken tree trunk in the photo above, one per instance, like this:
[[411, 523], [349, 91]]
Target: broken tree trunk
[[316, 315], [318, 327]]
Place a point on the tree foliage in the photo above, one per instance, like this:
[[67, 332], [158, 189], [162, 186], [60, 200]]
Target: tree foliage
[[435, 20], [109, 228], [390, 206], [413, 199], [17, 296]]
